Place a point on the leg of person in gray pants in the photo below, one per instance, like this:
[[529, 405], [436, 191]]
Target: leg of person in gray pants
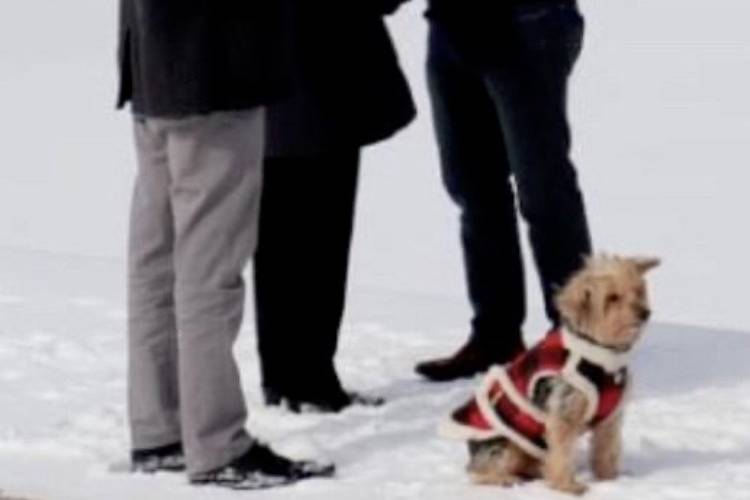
[[193, 228], [194, 225]]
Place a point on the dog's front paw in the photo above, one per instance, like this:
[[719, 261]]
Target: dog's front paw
[[606, 473], [606, 467], [573, 487]]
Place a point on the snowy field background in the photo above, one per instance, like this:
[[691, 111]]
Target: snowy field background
[[62, 372], [661, 118]]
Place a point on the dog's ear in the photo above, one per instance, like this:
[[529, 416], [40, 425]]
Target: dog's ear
[[575, 299], [645, 264]]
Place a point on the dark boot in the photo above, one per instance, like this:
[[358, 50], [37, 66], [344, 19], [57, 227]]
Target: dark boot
[[469, 360]]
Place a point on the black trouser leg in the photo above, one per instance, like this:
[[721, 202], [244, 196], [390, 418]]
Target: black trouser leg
[[306, 224], [507, 118], [529, 89], [476, 174]]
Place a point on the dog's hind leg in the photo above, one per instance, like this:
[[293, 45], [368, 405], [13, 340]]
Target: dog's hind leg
[[496, 478], [531, 468], [508, 468]]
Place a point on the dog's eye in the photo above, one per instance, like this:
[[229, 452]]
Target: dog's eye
[[613, 298]]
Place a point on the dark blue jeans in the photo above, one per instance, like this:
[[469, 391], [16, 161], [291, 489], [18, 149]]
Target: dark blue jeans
[[501, 125]]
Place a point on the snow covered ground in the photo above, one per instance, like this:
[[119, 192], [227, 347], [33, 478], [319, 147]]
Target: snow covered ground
[[62, 401], [660, 114]]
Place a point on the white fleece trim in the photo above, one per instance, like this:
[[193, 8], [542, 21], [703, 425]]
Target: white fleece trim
[[451, 429], [571, 375], [485, 406], [518, 399], [610, 360], [448, 428]]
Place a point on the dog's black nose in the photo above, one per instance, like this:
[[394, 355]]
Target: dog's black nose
[[644, 314]]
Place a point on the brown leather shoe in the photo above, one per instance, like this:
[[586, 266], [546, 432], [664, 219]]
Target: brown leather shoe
[[470, 359]]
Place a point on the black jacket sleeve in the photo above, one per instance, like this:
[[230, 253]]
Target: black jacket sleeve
[[387, 7]]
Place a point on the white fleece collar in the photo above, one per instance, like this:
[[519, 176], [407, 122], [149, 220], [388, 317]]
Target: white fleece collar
[[607, 358]]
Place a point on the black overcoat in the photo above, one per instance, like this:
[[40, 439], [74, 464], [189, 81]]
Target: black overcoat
[[182, 57], [348, 88]]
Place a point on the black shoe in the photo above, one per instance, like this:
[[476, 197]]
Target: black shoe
[[332, 403], [169, 458], [469, 360], [261, 468], [359, 399]]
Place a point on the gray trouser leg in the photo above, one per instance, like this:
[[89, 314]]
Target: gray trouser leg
[[193, 228]]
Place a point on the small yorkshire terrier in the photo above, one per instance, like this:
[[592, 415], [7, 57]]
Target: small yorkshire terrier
[[525, 418]]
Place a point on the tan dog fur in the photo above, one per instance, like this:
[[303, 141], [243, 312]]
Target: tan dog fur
[[607, 302]]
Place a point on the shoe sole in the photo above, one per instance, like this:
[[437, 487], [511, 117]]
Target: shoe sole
[[262, 481], [245, 484]]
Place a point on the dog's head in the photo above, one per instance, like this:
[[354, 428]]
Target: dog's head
[[607, 300]]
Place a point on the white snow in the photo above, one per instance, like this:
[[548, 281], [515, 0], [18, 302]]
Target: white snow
[[62, 409], [660, 113]]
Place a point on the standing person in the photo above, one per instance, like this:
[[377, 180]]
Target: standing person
[[196, 75], [349, 92], [498, 79]]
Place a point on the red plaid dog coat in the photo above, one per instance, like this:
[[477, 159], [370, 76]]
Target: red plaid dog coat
[[510, 399]]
